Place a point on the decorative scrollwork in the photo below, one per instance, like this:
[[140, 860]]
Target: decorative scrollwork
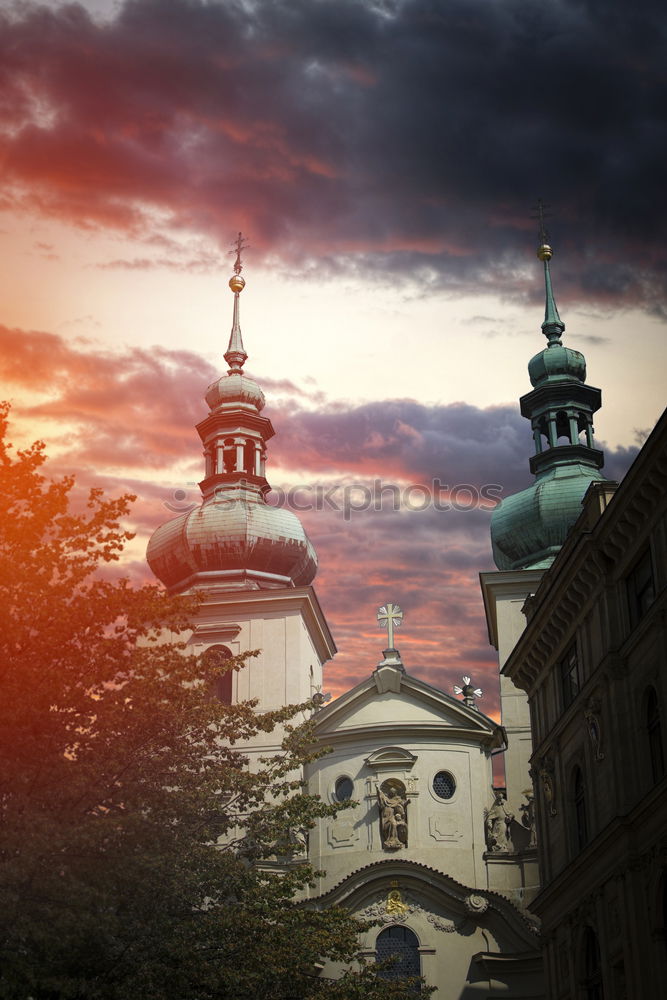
[[396, 907], [476, 904]]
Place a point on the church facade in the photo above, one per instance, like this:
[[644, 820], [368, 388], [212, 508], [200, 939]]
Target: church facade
[[443, 861]]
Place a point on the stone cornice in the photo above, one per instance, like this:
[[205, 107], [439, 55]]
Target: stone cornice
[[470, 725], [280, 601], [505, 583]]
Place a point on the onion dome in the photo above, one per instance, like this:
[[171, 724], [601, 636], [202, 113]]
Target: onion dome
[[233, 543], [557, 362], [528, 528], [233, 391], [234, 540]]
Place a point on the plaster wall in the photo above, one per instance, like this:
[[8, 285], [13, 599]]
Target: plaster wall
[[446, 834]]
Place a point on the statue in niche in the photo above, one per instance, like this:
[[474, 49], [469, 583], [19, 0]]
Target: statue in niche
[[593, 717], [547, 775], [497, 821], [393, 806]]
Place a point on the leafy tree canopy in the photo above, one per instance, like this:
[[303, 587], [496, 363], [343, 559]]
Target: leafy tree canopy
[[119, 772]]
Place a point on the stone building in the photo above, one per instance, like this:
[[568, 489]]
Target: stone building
[[577, 611], [592, 661]]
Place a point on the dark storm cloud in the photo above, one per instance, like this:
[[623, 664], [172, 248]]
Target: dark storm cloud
[[409, 441], [115, 415], [404, 138]]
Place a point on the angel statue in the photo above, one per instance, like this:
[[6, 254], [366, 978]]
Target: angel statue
[[393, 817]]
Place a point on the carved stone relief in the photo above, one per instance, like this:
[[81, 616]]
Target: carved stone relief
[[444, 828], [397, 906], [476, 904], [341, 834], [548, 779]]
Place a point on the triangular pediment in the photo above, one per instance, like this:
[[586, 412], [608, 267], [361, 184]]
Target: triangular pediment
[[392, 699]]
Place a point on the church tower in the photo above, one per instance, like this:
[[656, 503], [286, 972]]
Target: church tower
[[252, 563], [529, 528]]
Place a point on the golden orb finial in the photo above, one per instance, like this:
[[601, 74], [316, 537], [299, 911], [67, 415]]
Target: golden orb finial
[[236, 283], [544, 252]]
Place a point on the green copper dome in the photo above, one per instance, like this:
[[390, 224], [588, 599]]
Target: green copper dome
[[528, 528], [557, 362]]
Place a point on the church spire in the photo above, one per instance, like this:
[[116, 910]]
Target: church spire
[[528, 528], [235, 539], [235, 355], [553, 326]]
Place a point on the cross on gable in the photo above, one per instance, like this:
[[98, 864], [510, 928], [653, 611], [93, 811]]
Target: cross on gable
[[390, 617]]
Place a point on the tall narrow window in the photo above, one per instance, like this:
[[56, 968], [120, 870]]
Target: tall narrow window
[[400, 943], [570, 675], [654, 733], [579, 797], [592, 979], [640, 586]]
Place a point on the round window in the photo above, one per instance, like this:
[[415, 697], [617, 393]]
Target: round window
[[444, 785], [343, 789]]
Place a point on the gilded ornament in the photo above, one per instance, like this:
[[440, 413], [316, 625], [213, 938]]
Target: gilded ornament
[[237, 283]]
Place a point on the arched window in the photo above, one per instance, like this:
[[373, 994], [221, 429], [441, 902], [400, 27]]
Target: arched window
[[592, 978], [654, 733], [214, 660], [400, 943], [579, 799]]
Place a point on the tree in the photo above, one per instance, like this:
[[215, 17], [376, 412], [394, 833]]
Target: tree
[[134, 837]]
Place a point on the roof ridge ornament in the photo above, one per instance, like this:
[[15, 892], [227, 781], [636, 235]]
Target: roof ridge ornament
[[235, 355], [553, 326], [469, 692]]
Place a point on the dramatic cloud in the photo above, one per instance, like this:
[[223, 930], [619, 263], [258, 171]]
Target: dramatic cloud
[[397, 136], [125, 421]]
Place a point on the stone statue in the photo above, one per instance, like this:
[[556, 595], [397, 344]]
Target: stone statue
[[528, 815], [393, 817], [497, 821]]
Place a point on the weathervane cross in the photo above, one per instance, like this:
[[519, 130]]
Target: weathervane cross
[[390, 617], [468, 691], [541, 214], [239, 245]]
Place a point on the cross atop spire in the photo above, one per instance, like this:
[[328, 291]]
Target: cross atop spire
[[541, 213], [238, 246], [235, 355]]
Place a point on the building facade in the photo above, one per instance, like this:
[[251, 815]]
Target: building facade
[[577, 611], [592, 660], [431, 850]]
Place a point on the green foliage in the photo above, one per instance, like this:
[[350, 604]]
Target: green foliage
[[119, 772]]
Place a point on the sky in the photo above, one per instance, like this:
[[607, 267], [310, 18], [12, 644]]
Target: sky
[[383, 159]]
